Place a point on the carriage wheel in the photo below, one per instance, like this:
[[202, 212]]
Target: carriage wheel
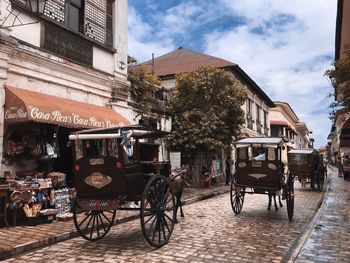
[[92, 225], [237, 199], [320, 181], [157, 214], [290, 199]]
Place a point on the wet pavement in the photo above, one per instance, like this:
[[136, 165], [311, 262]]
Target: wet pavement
[[329, 238]]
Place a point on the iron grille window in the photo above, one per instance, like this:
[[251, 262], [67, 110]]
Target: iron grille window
[[93, 18]]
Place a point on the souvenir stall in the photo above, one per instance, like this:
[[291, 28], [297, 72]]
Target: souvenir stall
[[34, 182], [37, 180]]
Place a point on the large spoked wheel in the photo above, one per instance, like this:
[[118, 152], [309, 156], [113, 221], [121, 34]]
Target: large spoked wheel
[[92, 225], [290, 198], [237, 198], [320, 181], [157, 214]]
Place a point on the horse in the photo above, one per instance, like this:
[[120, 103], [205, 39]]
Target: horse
[[178, 182], [273, 194]]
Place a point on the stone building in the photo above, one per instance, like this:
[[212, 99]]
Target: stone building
[[63, 66]]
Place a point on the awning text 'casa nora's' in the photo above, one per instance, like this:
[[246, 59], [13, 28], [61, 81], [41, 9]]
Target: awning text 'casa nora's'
[[23, 105]]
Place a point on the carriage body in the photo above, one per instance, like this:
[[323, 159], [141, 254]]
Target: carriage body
[[305, 165], [118, 165], [260, 168]]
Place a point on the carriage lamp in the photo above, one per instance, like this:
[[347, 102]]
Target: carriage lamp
[[37, 6], [77, 167], [118, 164]]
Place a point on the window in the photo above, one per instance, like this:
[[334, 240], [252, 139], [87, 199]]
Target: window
[[75, 15], [93, 18], [257, 114], [249, 114]]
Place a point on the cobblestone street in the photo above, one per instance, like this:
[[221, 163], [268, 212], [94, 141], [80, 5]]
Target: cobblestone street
[[210, 232]]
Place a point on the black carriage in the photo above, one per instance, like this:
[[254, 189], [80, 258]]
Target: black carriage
[[114, 167], [259, 170], [307, 166]]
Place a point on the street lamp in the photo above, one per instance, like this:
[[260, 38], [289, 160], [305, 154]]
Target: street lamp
[[37, 6]]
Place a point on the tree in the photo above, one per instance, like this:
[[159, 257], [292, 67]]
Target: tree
[[144, 85], [207, 111], [340, 78]]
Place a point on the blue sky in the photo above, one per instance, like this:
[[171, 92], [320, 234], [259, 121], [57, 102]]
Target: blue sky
[[284, 46]]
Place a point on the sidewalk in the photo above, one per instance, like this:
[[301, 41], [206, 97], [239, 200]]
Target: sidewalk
[[19, 239], [328, 238]]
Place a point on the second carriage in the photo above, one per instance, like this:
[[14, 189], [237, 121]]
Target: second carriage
[[307, 166], [259, 169]]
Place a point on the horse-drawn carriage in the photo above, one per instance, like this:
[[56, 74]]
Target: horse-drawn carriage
[[260, 170], [307, 166], [119, 165]]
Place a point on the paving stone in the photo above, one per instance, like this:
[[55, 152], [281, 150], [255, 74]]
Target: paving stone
[[210, 232]]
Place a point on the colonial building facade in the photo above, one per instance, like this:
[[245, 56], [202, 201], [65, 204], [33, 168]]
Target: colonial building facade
[[256, 107], [340, 133], [284, 122], [61, 70]]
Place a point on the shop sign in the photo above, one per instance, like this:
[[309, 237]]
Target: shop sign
[[98, 180], [72, 118], [15, 113], [56, 116]]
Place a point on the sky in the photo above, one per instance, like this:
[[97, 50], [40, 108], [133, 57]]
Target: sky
[[284, 46]]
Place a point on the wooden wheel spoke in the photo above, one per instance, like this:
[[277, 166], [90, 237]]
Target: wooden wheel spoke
[[103, 224], [166, 223], [159, 227], [155, 229], [171, 220], [87, 226], [93, 226], [97, 226], [151, 226], [87, 216], [150, 218], [163, 229], [109, 221]]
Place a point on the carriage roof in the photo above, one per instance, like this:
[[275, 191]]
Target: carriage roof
[[303, 151], [136, 131], [261, 142]]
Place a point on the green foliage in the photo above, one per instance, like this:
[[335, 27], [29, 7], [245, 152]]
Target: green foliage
[[207, 110], [340, 78], [144, 84]]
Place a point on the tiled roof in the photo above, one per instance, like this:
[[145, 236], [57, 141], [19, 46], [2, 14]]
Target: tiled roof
[[184, 60]]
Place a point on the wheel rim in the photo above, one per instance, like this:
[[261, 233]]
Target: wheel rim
[[237, 199], [157, 214], [92, 225], [290, 202], [290, 207], [320, 183]]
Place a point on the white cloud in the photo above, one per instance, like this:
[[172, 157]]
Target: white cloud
[[283, 45], [141, 45], [286, 58]]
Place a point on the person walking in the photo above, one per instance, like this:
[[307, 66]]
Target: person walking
[[228, 170]]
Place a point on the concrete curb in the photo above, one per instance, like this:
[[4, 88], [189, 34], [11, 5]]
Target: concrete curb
[[298, 245], [13, 251]]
